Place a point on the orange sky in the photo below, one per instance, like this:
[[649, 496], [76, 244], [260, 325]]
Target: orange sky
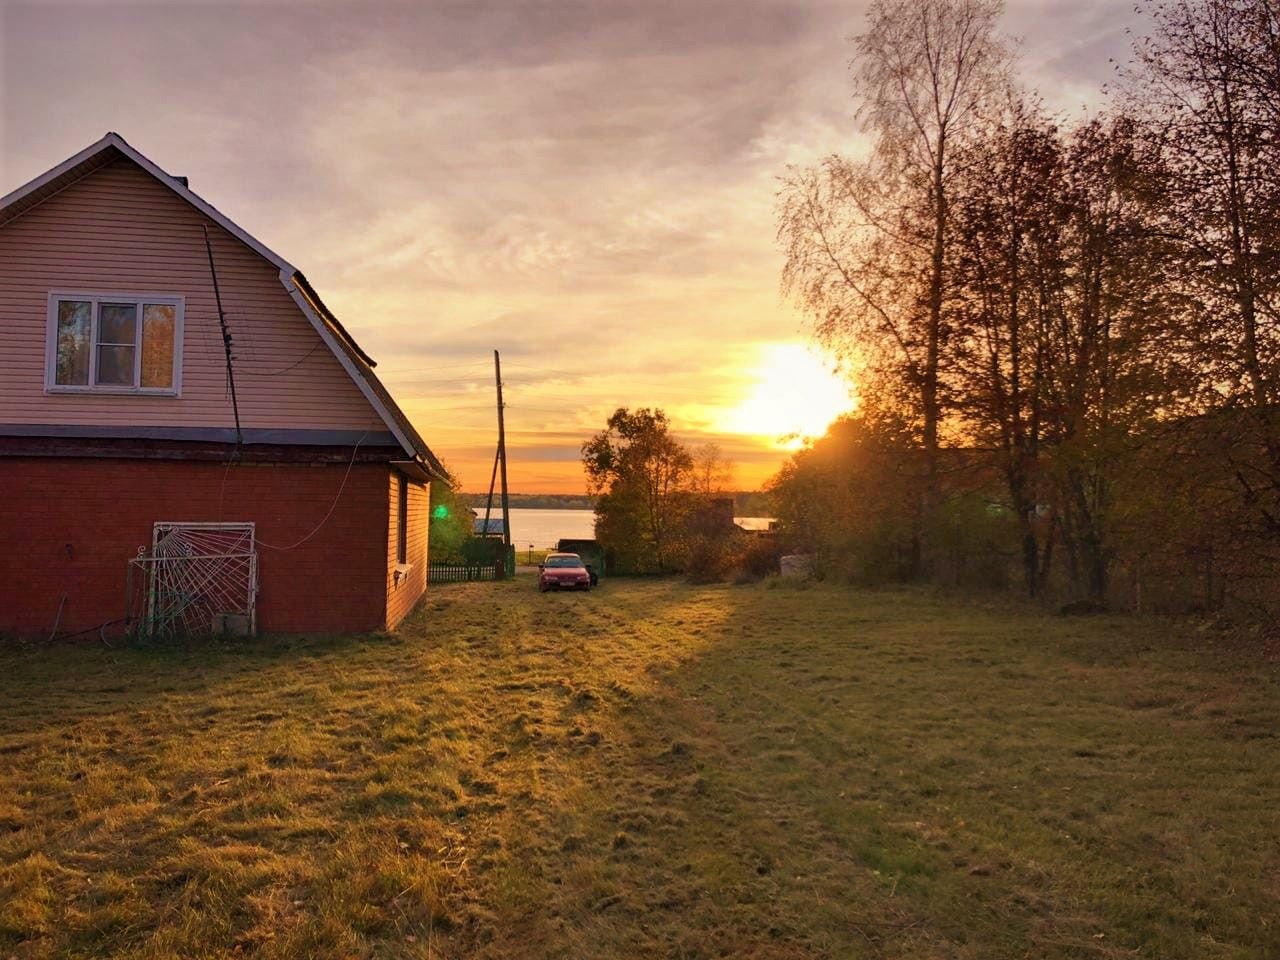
[[586, 185]]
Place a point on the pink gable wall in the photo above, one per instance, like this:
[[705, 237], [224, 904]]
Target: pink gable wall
[[118, 230]]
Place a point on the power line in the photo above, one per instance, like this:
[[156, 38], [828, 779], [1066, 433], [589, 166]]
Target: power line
[[275, 373], [443, 366]]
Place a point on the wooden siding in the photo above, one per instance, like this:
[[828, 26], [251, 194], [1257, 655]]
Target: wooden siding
[[404, 595], [118, 230]]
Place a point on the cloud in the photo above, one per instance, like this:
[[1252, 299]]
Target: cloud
[[587, 185]]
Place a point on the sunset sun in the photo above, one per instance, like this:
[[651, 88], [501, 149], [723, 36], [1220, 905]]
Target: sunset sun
[[794, 395]]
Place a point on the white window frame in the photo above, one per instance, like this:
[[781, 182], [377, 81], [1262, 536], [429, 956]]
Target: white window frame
[[97, 299]]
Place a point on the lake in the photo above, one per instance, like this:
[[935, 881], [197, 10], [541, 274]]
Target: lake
[[544, 528]]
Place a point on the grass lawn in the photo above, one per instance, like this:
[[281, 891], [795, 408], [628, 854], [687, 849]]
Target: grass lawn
[[648, 770]]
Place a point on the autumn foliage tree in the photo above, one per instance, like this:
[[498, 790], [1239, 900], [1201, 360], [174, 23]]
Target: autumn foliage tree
[[847, 499], [1081, 317], [1209, 79], [1062, 304], [867, 240], [1006, 262], [450, 522], [641, 476]]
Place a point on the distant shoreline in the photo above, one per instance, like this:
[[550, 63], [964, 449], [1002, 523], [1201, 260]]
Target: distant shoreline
[[532, 506], [747, 503], [535, 501]]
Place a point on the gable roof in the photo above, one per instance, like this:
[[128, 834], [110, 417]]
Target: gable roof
[[358, 364]]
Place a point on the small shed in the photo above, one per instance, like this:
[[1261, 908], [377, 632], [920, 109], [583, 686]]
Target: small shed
[[591, 552], [494, 528], [761, 527]]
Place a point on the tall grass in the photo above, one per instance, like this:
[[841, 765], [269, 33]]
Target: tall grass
[[651, 769]]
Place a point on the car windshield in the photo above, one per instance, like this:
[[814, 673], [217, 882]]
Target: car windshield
[[563, 562]]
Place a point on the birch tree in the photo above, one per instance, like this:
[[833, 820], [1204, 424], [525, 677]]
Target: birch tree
[[866, 239]]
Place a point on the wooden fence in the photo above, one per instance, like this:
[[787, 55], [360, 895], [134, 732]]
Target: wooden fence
[[463, 572]]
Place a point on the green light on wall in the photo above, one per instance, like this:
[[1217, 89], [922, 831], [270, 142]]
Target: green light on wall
[[441, 512]]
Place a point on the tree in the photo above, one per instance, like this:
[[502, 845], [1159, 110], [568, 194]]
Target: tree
[[1008, 210], [1060, 357], [1210, 74], [848, 498], [1108, 370], [641, 475], [867, 241], [712, 471], [450, 523]]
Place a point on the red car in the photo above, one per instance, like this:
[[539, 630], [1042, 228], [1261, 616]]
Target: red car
[[563, 571]]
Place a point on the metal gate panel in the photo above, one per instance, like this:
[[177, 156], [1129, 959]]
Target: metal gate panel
[[199, 578]]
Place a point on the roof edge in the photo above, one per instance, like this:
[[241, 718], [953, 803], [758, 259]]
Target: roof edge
[[114, 140], [54, 173], [364, 378], [305, 285], [357, 364]]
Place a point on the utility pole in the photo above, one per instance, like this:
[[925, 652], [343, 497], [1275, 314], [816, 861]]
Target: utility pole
[[502, 454], [499, 460], [488, 504]]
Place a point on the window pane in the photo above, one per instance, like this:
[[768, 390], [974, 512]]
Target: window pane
[[72, 361], [115, 365], [158, 323], [117, 323]]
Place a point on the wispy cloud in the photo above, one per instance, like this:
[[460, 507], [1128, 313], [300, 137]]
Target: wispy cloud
[[586, 184]]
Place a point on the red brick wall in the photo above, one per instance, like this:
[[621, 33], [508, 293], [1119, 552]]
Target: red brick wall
[[69, 526], [403, 594]]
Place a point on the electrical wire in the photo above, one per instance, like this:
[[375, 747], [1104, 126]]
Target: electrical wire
[[226, 335], [333, 506], [249, 371], [57, 620], [99, 629], [443, 366]]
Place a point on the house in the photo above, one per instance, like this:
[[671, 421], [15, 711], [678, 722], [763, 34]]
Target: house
[[761, 528], [129, 491]]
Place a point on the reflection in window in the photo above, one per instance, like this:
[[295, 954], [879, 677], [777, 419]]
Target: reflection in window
[[75, 317], [158, 323], [117, 334]]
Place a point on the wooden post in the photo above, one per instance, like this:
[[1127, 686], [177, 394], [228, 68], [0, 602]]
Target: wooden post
[[488, 504]]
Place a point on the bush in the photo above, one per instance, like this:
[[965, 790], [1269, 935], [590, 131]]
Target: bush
[[710, 559], [760, 557], [450, 522]]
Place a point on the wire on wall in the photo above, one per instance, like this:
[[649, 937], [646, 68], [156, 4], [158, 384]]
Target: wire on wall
[[226, 335], [333, 506]]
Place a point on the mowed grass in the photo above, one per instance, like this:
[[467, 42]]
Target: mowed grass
[[648, 770]]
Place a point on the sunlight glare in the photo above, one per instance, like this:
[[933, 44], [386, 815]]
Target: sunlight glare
[[795, 395]]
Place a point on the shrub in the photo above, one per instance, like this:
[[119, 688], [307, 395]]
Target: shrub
[[760, 557], [710, 559]]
